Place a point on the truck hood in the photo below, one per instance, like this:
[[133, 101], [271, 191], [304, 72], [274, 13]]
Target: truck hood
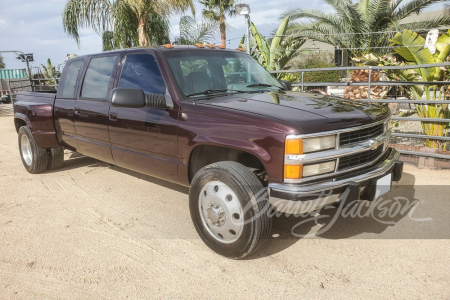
[[309, 112]]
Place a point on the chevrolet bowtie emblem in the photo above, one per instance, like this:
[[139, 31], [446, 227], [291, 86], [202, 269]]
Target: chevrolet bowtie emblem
[[373, 144]]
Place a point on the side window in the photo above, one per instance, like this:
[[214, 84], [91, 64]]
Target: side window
[[98, 75], [142, 71], [71, 79]]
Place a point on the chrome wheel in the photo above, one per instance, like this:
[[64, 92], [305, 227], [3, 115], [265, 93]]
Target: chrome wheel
[[25, 147], [221, 212]]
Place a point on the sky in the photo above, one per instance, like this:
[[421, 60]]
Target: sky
[[33, 26]]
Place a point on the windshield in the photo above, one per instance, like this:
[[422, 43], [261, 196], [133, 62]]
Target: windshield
[[204, 72]]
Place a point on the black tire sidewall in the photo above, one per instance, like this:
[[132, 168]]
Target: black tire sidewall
[[55, 158], [248, 237]]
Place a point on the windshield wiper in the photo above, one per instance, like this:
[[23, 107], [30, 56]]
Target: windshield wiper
[[207, 92], [263, 84]]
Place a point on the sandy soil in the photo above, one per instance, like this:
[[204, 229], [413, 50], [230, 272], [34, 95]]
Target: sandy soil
[[96, 231]]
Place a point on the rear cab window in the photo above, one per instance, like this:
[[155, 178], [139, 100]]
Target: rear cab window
[[71, 79]]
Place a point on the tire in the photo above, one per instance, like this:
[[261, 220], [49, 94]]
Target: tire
[[34, 158], [55, 158], [229, 206]]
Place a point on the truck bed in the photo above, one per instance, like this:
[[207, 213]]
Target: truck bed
[[35, 109]]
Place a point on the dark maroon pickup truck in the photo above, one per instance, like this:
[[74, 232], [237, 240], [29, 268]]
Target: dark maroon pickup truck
[[217, 121]]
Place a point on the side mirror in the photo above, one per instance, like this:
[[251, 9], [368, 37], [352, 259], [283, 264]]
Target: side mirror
[[127, 97], [286, 84]]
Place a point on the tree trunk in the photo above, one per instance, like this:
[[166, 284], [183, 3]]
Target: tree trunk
[[223, 30], [142, 31]]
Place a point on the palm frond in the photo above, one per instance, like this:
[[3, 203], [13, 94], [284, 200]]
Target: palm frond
[[413, 6], [429, 23], [315, 15], [193, 32]]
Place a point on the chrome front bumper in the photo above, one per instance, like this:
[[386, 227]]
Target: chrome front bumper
[[286, 196]]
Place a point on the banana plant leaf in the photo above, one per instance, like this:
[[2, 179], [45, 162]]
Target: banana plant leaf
[[412, 49]]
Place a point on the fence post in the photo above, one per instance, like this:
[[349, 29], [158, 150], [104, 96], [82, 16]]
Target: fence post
[[370, 83], [303, 83], [9, 88]]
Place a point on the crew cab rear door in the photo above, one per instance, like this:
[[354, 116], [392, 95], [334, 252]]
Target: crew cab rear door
[[92, 107], [144, 139], [65, 104]]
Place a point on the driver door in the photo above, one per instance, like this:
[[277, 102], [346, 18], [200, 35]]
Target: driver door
[[144, 139]]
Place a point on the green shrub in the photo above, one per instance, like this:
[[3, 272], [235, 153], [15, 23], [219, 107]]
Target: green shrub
[[309, 60], [320, 76]]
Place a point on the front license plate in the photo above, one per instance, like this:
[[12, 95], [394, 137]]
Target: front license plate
[[383, 185]]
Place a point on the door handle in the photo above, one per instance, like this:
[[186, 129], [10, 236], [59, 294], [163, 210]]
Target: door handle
[[113, 116], [77, 111]]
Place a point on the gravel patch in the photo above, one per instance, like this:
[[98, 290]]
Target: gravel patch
[[6, 110]]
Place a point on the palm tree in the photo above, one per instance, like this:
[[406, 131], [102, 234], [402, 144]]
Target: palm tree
[[351, 27], [125, 35], [217, 11], [192, 32], [122, 23]]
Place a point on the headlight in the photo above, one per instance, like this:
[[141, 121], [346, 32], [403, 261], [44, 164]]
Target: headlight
[[317, 169], [297, 146], [319, 143]]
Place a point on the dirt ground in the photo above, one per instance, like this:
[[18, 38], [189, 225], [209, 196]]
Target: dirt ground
[[96, 231]]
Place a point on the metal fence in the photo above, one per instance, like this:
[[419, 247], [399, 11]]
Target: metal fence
[[37, 84], [415, 152], [42, 84]]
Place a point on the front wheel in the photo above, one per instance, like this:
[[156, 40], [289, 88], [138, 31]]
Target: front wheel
[[34, 158], [228, 206]]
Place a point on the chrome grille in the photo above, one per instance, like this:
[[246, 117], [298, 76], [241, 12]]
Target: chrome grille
[[353, 160], [354, 150], [364, 134]]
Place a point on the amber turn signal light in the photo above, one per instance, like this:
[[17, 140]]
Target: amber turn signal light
[[294, 147], [293, 171]]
